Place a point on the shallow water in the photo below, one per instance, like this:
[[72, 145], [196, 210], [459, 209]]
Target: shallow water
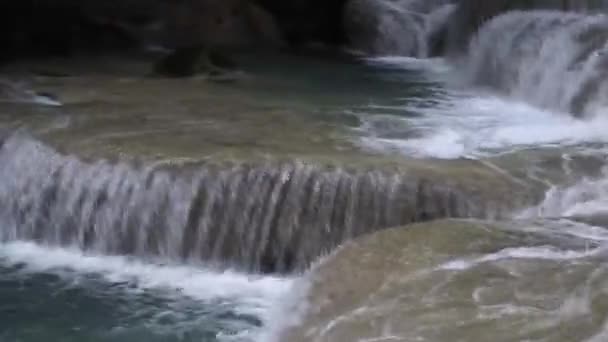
[[354, 116]]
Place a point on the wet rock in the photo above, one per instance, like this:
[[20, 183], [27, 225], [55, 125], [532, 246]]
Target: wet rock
[[449, 281], [361, 269], [191, 61]]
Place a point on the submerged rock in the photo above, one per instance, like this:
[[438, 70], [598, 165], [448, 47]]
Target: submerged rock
[[455, 281], [191, 61]]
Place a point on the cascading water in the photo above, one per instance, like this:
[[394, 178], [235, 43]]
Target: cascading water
[[182, 251], [260, 217], [541, 275], [470, 15], [405, 28], [554, 60]]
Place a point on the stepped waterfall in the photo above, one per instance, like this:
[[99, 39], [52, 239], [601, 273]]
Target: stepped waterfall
[[435, 171]]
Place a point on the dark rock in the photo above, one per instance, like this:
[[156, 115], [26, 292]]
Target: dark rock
[[220, 23], [190, 61], [64, 27], [305, 21], [182, 62]]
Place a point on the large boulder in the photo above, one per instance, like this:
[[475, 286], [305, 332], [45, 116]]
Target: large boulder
[[62, 27], [394, 27]]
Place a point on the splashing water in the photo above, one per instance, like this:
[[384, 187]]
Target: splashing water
[[148, 301], [476, 127], [553, 60]]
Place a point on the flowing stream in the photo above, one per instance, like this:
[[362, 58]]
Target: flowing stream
[[143, 209]]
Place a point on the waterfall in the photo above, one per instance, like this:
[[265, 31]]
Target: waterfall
[[551, 59], [471, 14], [397, 27], [266, 216]]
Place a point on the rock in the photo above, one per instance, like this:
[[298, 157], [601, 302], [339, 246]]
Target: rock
[[386, 27], [307, 21], [221, 24], [446, 281], [265, 26], [191, 61], [364, 268], [64, 27]]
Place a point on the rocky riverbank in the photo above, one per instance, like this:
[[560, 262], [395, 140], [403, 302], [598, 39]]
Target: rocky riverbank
[[404, 27]]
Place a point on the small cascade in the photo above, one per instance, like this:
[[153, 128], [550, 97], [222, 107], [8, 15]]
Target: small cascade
[[411, 28], [470, 15], [551, 59], [585, 201], [267, 216]]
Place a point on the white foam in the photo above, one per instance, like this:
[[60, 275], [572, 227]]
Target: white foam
[[250, 294], [587, 197], [536, 253], [467, 126], [437, 65], [45, 100]]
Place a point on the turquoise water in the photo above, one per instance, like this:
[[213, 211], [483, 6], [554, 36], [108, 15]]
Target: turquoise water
[[60, 295]]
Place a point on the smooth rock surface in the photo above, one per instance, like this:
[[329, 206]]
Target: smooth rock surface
[[457, 281]]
